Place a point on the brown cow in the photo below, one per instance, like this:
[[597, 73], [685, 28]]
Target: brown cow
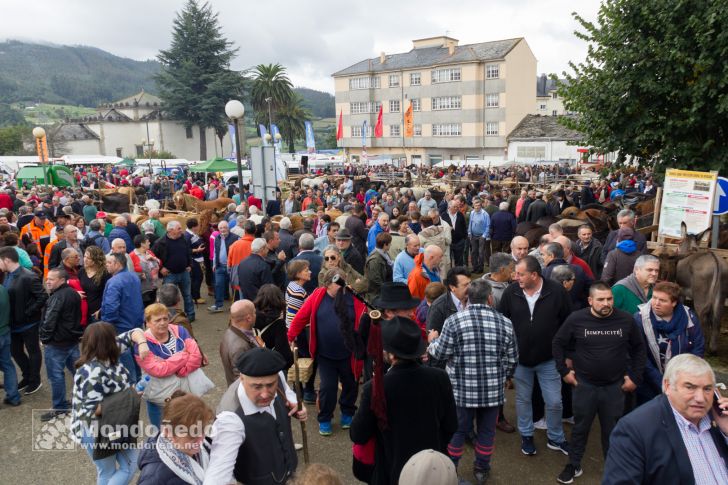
[[190, 203]]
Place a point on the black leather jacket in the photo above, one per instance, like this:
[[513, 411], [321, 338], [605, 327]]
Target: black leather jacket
[[27, 298], [62, 320]]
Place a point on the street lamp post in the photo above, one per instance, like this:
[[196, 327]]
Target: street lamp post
[[39, 133], [235, 110], [150, 146]]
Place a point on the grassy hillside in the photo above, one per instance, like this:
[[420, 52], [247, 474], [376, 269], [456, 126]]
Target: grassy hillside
[[73, 75]]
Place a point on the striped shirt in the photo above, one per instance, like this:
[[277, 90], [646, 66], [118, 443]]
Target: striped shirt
[[295, 296], [708, 466]]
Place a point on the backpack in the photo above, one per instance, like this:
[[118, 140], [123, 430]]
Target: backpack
[[88, 242]]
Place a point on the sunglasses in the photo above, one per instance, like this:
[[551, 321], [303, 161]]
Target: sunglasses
[[330, 258]]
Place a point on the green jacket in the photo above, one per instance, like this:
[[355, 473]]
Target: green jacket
[[4, 311], [159, 229], [625, 300]]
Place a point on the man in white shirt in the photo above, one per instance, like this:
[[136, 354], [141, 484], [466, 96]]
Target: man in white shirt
[[260, 403]]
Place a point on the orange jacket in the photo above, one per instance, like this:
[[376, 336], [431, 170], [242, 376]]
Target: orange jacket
[[47, 256], [418, 280], [37, 232]]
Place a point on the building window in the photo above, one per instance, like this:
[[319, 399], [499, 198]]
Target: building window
[[554, 96], [542, 107], [539, 153], [418, 130], [492, 71], [447, 129], [492, 100], [416, 104], [446, 75], [188, 131], [394, 106], [364, 82], [394, 130], [139, 150], [491, 128], [446, 102], [356, 131], [415, 79], [365, 107], [553, 113], [394, 80], [118, 152]]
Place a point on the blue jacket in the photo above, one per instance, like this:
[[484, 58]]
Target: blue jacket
[[479, 224], [404, 264], [691, 342], [120, 232], [121, 304], [646, 447], [372, 237], [503, 226]]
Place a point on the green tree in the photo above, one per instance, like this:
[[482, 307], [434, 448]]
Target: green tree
[[269, 81], [195, 80], [10, 116], [291, 121], [654, 84], [11, 139]]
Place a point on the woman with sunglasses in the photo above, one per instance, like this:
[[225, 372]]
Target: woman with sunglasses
[[334, 259]]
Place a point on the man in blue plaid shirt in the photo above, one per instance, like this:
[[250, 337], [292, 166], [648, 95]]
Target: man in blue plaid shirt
[[479, 345]]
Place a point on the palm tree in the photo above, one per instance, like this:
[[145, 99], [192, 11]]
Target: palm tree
[[291, 117], [269, 82]]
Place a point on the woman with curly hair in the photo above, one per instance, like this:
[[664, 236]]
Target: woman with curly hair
[[93, 277]]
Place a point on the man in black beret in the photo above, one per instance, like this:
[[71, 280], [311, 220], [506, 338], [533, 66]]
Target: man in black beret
[[259, 404]]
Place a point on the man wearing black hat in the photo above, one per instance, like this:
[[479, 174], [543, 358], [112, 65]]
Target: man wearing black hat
[[349, 251], [259, 404], [418, 411]]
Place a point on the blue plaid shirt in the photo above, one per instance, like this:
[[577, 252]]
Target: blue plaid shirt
[[479, 345]]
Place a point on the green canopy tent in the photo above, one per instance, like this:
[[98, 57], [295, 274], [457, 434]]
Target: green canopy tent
[[127, 162], [215, 165]]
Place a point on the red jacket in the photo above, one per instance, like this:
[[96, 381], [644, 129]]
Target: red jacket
[[582, 264], [307, 314], [6, 202]]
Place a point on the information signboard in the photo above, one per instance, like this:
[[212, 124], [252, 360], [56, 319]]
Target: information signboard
[[687, 197]]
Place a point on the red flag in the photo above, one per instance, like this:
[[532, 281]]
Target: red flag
[[379, 127], [340, 129]]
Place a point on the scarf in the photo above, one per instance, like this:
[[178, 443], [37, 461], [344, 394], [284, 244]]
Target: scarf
[[631, 283], [386, 256], [627, 246], [677, 326], [184, 466]]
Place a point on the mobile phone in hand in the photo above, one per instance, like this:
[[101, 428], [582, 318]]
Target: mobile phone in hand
[[716, 408]]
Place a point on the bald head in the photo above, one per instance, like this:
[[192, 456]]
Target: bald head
[[565, 243], [433, 256], [242, 314], [71, 233], [120, 221], [519, 247]]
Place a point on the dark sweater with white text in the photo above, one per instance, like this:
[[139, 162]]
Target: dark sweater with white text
[[605, 349]]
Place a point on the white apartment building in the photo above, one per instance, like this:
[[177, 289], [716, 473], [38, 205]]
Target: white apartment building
[[465, 99], [548, 102]]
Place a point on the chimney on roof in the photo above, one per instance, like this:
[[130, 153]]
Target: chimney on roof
[[451, 49], [382, 57]]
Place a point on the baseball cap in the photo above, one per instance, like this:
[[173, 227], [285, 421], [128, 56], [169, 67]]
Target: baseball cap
[[41, 214], [428, 467]]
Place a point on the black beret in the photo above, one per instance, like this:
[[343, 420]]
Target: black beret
[[260, 362]]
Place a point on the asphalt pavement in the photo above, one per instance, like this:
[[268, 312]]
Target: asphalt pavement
[[25, 457]]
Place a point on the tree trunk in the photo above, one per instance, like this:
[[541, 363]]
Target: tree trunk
[[291, 146], [203, 143]]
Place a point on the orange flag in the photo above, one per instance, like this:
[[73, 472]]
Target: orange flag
[[409, 127]]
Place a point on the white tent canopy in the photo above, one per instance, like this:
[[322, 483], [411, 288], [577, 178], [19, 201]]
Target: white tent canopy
[[90, 160]]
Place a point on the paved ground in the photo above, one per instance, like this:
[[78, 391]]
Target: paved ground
[[21, 462]]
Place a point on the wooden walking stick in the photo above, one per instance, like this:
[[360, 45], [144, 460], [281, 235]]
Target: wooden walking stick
[[299, 394]]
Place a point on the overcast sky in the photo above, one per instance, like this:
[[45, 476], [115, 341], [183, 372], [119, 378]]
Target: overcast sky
[[312, 38]]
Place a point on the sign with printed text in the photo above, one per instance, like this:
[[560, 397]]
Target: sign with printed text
[[687, 197], [721, 197]]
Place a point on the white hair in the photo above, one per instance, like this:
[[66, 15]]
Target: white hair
[[257, 245], [503, 206], [253, 210], [285, 223], [173, 225], [686, 364]]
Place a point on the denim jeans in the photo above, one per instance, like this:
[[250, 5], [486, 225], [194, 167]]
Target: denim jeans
[[107, 472], [183, 282], [550, 382], [222, 283], [56, 359], [154, 411], [10, 377]]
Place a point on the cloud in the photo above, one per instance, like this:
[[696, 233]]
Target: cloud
[[312, 39]]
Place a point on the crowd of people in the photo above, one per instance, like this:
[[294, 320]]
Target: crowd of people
[[465, 310]]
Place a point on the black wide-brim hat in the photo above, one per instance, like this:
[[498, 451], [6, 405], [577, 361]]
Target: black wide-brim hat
[[395, 296], [403, 338]]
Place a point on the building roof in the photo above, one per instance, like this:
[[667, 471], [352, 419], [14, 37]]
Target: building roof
[[544, 85], [142, 97], [537, 127], [76, 131], [432, 56]]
